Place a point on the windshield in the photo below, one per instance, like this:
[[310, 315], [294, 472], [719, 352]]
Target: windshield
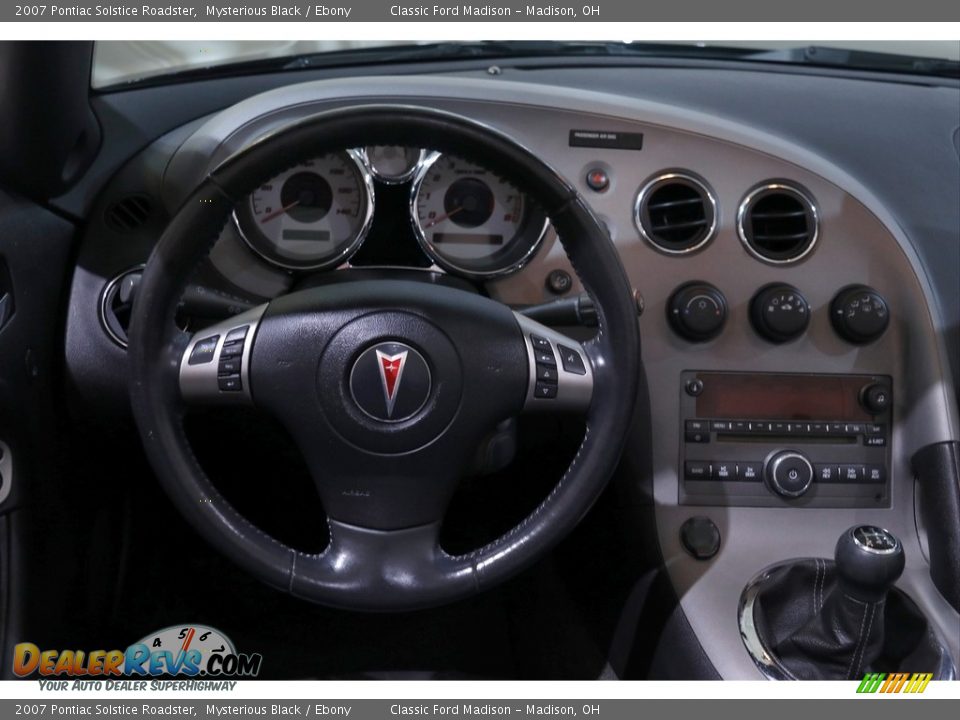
[[117, 63]]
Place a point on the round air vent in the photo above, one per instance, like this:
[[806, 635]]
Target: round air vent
[[778, 223], [128, 213], [676, 213], [116, 302]]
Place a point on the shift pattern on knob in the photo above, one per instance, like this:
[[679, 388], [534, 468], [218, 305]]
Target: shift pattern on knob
[[869, 561]]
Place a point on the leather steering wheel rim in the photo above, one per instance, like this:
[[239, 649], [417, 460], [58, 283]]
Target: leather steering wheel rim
[[395, 569]]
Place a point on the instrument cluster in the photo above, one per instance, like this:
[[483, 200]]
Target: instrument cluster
[[466, 219]]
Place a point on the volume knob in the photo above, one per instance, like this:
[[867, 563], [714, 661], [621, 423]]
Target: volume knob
[[789, 473]]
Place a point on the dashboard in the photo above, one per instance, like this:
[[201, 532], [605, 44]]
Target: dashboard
[[792, 348]]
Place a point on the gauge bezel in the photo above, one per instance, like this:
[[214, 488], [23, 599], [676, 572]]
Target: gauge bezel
[[392, 179], [343, 255], [530, 227]]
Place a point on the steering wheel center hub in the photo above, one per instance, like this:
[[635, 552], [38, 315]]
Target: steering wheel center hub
[[390, 382]]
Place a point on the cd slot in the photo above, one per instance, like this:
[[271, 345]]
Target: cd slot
[[805, 439]]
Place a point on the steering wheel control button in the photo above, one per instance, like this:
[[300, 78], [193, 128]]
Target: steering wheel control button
[[239, 333], [230, 383], [204, 350], [390, 382], [546, 391], [541, 344], [598, 180], [789, 473], [697, 312], [859, 314], [547, 373], [700, 537], [875, 398], [230, 366], [572, 361], [545, 358], [232, 349], [779, 313]]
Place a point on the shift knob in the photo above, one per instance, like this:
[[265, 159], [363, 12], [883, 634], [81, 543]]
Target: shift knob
[[869, 561]]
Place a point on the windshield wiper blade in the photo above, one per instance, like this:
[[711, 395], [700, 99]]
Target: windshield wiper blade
[[860, 60]]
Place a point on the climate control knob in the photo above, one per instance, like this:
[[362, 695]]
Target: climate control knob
[[789, 473], [697, 311], [859, 314], [779, 313]]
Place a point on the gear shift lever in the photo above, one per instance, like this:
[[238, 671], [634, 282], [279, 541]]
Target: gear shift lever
[[869, 561], [821, 620]]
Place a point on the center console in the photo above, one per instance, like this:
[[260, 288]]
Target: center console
[[770, 439]]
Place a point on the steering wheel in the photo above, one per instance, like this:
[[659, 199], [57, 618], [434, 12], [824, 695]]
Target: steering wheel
[[386, 386]]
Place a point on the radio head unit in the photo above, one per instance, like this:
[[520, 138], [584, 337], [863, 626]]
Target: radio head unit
[[778, 439]]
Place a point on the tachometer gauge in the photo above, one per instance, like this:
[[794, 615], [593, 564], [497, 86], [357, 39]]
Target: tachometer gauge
[[312, 216], [471, 221], [393, 164]]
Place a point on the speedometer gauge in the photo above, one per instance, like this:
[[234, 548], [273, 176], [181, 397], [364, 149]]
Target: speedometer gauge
[[471, 221], [312, 216]]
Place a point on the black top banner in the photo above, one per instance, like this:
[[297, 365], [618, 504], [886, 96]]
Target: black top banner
[[495, 11]]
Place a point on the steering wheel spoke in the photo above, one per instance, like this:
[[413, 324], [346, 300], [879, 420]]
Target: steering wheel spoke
[[560, 370], [215, 367]]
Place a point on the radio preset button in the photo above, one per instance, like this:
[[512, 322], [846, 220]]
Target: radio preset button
[[827, 473], [851, 473], [724, 470], [875, 474]]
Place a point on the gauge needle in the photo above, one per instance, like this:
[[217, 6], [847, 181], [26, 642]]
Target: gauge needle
[[442, 218], [279, 212]]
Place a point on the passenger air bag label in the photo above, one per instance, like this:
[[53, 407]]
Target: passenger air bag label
[[606, 139]]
